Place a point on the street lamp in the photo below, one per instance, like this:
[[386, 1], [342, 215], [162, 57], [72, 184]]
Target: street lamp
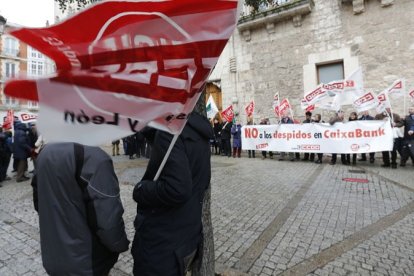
[[2, 24]]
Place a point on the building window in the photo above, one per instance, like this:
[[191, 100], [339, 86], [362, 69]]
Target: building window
[[36, 68], [10, 70], [11, 101], [11, 47], [330, 72], [31, 104]]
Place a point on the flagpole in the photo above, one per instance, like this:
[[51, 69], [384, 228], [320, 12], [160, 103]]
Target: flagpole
[[167, 154], [405, 107]]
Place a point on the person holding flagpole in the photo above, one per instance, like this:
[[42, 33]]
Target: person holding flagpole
[[408, 146], [365, 116]]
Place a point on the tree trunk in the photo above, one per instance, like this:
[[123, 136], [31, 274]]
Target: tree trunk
[[206, 267]]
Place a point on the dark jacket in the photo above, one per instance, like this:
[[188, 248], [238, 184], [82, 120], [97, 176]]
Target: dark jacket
[[168, 222], [408, 125], [365, 118], [21, 145], [236, 132], [226, 130], [81, 229]]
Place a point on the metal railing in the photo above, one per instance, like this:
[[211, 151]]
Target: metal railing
[[268, 7]]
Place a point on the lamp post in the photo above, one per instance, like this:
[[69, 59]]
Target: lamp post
[[2, 24]]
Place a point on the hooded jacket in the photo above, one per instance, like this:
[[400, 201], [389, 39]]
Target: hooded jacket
[[168, 222], [81, 226]]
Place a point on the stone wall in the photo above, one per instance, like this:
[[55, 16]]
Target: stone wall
[[281, 58]]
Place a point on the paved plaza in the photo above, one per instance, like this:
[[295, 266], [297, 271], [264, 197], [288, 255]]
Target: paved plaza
[[269, 217]]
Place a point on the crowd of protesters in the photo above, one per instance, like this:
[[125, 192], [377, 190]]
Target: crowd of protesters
[[229, 133], [20, 147]]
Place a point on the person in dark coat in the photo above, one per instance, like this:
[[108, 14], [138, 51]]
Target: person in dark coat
[[76, 194], [408, 142], [353, 116], [217, 126], [5, 154], [225, 138], [366, 117], [318, 119], [338, 118], [131, 146], [236, 132], [168, 223], [140, 144], [21, 150], [308, 156]]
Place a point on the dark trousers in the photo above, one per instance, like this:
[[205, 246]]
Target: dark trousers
[[348, 158], [21, 168], [236, 151], [320, 155], [140, 149], [264, 154], [309, 156], [226, 147], [398, 143], [371, 156], [251, 153], [343, 158], [4, 165], [407, 151]]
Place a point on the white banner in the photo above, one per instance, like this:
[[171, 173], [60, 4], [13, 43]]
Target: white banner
[[350, 137]]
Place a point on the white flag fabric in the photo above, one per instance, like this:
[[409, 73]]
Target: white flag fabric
[[211, 108], [353, 88], [383, 102], [397, 89], [366, 102]]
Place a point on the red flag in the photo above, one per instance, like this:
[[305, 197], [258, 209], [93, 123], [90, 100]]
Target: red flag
[[136, 63], [282, 108], [228, 114], [250, 109], [8, 120]]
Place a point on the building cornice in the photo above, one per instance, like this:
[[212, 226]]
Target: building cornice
[[293, 10]]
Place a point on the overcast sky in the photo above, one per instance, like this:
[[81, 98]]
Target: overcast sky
[[31, 13]]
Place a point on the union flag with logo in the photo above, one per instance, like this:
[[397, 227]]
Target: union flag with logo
[[228, 114], [250, 109], [122, 65]]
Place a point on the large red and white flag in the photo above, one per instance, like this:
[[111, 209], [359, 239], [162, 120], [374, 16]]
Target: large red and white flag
[[250, 109], [228, 114], [137, 63], [397, 89], [282, 108], [366, 102], [8, 120]]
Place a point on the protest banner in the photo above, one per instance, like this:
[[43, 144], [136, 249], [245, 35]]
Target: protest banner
[[140, 63], [350, 137]]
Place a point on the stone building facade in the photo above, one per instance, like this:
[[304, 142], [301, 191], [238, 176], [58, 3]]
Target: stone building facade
[[280, 48]]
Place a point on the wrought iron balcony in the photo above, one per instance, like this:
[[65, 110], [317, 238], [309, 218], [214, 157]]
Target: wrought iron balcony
[[267, 15]]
